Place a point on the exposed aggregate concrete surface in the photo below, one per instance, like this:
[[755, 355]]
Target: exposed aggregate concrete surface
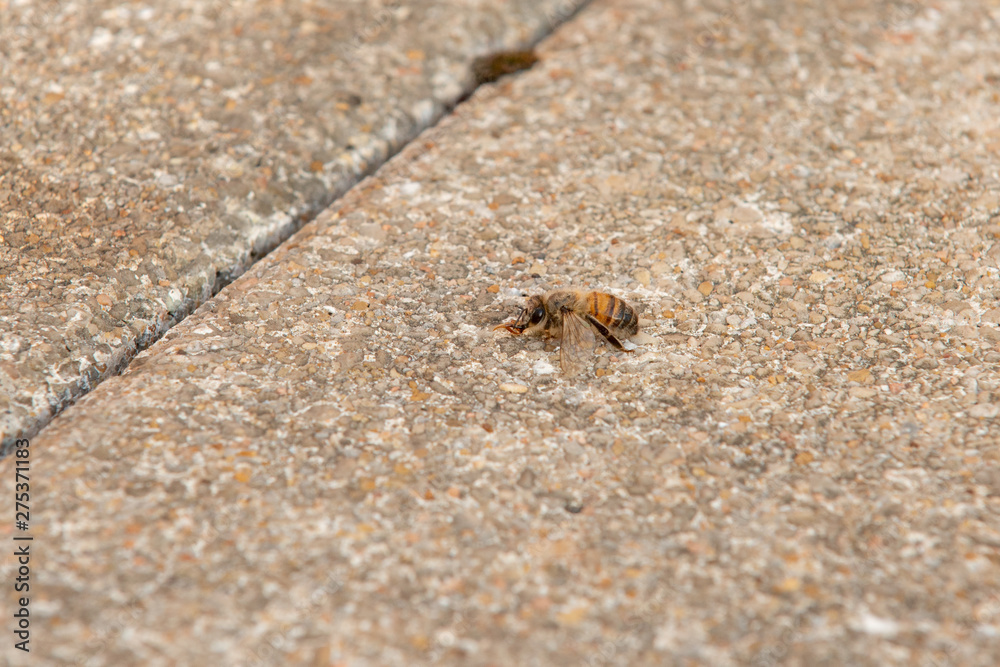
[[150, 152], [338, 461]]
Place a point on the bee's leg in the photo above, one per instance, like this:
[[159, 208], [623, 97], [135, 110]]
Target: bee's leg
[[604, 331], [508, 327]]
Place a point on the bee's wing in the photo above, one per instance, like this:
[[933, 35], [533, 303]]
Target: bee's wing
[[577, 343]]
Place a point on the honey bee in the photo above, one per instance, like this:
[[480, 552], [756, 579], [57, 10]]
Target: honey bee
[[573, 316]]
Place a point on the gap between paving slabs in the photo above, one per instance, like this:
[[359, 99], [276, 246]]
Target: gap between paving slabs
[[262, 244]]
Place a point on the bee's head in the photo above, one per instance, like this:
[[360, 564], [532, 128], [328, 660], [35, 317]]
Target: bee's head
[[531, 315]]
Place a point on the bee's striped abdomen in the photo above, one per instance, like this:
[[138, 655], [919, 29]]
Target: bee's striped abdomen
[[625, 318], [613, 312]]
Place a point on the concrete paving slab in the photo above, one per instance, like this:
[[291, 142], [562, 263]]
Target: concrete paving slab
[[150, 153], [338, 461]]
